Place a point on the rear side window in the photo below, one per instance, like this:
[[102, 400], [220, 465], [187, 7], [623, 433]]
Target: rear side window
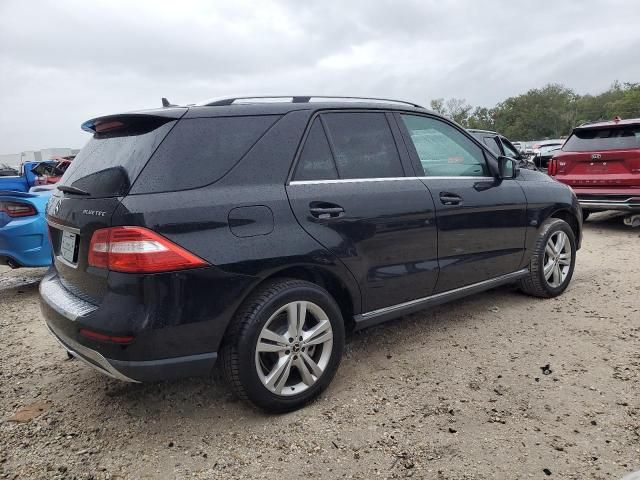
[[316, 161], [617, 138], [443, 150], [110, 162], [200, 151], [363, 145]]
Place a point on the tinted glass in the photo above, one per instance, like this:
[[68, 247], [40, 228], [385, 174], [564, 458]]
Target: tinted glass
[[492, 143], [363, 145], [108, 164], [316, 161], [604, 139], [200, 151], [509, 149], [443, 150]]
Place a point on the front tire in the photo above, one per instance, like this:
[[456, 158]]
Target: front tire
[[553, 260], [284, 345]]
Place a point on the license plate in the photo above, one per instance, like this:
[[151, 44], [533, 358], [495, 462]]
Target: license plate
[[597, 168], [68, 246]]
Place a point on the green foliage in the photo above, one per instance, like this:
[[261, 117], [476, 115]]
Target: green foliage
[[549, 112]]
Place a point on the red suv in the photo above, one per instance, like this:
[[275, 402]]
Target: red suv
[[601, 162]]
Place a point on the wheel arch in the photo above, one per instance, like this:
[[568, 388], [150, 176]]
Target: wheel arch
[[572, 220], [331, 282], [347, 300]]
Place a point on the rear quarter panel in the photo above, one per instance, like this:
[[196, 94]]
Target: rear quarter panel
[[199, 220]]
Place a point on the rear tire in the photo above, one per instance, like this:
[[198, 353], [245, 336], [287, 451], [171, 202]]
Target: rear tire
[[552, 262], [284, 345]]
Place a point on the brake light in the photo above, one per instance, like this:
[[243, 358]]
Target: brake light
[[552, 169], [17, 209], [138, 250]]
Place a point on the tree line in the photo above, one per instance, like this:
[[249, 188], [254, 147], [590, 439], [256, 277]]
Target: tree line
[[548, 112]]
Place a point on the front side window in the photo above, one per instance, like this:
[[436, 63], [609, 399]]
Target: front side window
[[509, 149], [443, 150], [363, 145]]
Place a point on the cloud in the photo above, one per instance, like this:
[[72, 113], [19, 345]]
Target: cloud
[[70, 60]]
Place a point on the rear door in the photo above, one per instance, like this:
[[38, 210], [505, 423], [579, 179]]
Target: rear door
[[350, 192], [94, 185], [481, 221]]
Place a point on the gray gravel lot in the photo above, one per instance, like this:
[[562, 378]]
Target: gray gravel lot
[[499, 385]]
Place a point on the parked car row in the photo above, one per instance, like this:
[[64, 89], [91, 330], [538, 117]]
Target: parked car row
[[601, 163], [308, 217], [500, 145], [543, 152], [24, 238], [8, 171]]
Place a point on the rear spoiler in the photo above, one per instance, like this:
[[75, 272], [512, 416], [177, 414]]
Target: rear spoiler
[[17, 194], [109, 123]]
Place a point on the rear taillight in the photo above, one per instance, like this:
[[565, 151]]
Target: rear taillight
[[17, 209], [552, 169], [138, 250]]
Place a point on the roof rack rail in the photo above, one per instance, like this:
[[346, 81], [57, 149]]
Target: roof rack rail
[[214, 102]]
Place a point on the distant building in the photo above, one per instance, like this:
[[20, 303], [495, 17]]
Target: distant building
[[16, 159]]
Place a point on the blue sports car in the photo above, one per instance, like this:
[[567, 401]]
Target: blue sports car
[[24, 239]]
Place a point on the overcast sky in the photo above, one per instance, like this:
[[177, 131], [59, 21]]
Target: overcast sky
[[64, 61]]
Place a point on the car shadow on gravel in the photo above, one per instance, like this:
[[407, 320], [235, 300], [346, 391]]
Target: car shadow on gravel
[[26, 278], [611, 221], [209, 398]]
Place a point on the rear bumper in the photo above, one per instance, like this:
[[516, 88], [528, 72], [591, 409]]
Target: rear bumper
[[149, 371], [609, 202], [25, 243], [150, 356]]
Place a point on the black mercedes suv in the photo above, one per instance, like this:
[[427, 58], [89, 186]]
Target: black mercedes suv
[[255, 232]]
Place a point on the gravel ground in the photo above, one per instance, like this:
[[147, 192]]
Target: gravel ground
[[499, 385]]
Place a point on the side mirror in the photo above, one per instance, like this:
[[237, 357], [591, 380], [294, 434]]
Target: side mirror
[[507, 168]]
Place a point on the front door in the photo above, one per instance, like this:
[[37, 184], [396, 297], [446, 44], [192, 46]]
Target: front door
[[349, 191], [481, 220]]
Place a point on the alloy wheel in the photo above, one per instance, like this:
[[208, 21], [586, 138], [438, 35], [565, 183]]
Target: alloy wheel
[[294, 348], [557, 259]]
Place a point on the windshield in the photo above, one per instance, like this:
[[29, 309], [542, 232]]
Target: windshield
[[613, 138]]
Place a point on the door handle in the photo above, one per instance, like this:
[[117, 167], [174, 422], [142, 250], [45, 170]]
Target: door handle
[[325, 210], [450, 198]]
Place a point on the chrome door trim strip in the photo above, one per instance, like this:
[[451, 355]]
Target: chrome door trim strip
[[383, 179], [398, 309]]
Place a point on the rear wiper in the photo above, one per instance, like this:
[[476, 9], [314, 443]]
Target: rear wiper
[[73, 190]]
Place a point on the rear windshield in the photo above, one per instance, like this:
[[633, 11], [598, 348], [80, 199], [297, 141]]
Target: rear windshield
[[200, 151], [616, 138], [110, 162]]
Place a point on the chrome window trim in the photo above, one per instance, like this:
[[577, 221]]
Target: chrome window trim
[[390, 179]]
